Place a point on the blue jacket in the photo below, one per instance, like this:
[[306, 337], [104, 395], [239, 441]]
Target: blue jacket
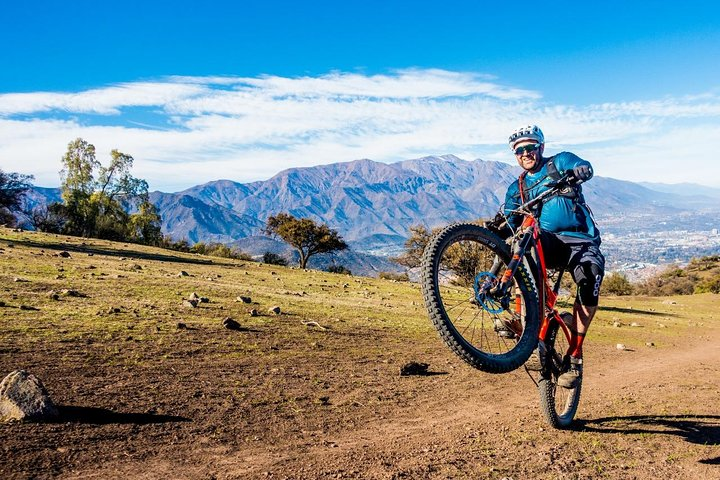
[[560, 214]]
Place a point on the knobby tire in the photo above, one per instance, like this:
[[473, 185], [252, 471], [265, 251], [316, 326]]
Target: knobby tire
[[559, 405], [475, 342]]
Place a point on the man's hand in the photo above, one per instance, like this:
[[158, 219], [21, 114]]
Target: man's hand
[[582, 173]]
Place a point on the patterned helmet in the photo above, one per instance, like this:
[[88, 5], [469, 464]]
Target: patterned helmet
[[530, 132]]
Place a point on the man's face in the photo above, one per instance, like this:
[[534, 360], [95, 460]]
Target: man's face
[[528, 160]]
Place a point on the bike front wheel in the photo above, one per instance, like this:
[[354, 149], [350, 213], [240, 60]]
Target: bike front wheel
[[559, 405], [493, 333]]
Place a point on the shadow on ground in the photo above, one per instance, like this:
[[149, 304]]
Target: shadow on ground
[[102, 416], [135, 254], [635, 310], [701, 429]]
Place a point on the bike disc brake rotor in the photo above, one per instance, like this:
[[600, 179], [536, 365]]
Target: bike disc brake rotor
[[484, 281]]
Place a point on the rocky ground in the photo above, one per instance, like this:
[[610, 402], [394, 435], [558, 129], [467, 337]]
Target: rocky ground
[[315, 391]]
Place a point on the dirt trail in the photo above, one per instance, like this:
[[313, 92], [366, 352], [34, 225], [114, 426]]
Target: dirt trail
[[650, 413]]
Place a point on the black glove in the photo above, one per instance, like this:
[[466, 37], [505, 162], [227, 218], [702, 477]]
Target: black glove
[[494, 226], [582, 173]]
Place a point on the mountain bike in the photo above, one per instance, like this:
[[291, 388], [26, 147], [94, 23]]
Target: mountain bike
[[493, 302]]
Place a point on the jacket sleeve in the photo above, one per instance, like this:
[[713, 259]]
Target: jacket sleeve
[[566, 161], [512, 201]]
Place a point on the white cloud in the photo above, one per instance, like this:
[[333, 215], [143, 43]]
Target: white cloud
[[246, 129]]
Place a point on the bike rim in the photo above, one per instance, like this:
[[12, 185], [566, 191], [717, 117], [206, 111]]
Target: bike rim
[[477, 319]]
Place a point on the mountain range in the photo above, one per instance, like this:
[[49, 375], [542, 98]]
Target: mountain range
[[373, 204]]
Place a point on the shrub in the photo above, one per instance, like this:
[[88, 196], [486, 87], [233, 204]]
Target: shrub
[[617, 284], [398, 277], [274, 259], [709, 285], [339, 269], [674, 281]]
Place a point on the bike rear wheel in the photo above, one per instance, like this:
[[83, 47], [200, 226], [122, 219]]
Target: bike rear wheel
[[559, 405], [495, 335]]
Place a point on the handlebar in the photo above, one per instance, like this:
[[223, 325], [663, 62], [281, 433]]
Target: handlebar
[[567, 180]]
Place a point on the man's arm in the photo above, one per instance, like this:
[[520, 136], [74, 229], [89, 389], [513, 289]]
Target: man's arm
[[581, 169]]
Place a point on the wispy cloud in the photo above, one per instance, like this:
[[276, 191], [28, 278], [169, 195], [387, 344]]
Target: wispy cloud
[[186, 130]]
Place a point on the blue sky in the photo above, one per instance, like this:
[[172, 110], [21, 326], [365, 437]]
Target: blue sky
[[198, 91]]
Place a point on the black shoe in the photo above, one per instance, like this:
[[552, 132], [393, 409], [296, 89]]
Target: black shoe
[[572, 377]]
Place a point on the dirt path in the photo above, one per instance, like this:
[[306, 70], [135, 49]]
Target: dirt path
[[643, 414], [142, 397]]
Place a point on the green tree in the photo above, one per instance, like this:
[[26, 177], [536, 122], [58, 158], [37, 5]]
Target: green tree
[[96, 199], [145, 225], [13, 187], [306, 236], [414, 246]]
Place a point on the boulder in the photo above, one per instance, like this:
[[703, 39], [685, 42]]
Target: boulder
[[275, 310], [23, 397]]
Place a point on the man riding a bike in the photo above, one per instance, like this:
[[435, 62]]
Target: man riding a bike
[[569, 236]]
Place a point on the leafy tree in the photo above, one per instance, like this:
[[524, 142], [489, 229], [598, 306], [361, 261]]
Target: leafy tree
[[414, 246], [145, 225], [617, 284], [465, 260], [96, 199], [306, 236], [12, 189]]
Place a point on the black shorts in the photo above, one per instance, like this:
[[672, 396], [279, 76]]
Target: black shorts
[[581, 258]]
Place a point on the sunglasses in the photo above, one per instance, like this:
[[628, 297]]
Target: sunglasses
[[527, 149]]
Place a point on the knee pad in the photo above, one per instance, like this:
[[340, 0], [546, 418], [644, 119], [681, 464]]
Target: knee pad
[[588, 277]]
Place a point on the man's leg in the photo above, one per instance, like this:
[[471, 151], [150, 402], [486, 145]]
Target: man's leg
[[582, 316], [588, 275]]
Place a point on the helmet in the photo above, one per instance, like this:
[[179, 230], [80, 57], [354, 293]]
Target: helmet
[[530, 132]]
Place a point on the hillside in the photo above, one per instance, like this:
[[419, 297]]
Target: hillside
[[149, 387]]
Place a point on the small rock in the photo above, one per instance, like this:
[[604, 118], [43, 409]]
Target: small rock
[[53, 295], [274, 310], [635, 324], [617, 324], [190, 303], [64, 254], [20, 280], [669, 302], [324, 400], [183, 273], [2, 304], [231, 324], [28, 307], [194, 296], [243, 299], [90, 254], [253, 313], [113, 310], [649, 344], [204, 300], [620, 346], [414, 368], [181, 326], [23, 397], [66, 292]]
